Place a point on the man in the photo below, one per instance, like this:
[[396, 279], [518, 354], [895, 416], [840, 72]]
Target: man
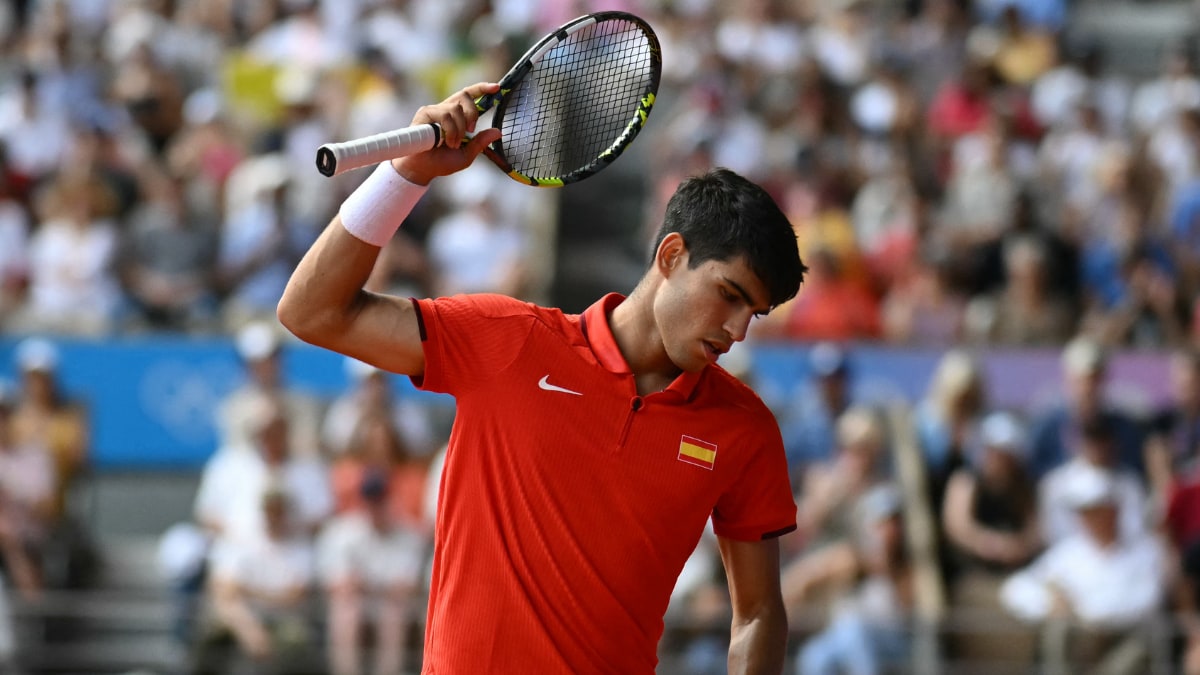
[[1054, 433], [1094, 448], [1094, 590], [588, 450]]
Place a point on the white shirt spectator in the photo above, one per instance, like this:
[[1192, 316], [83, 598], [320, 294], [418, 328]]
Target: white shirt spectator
[[1114, 587], [1058, 518], [234, 480], [1156, 102], [770, 46], [350, 548], [265, 567], [472, 251], [36, 140], [71, 272]]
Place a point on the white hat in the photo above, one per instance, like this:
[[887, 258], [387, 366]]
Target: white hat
[[257, 340], [1083, 356], [880, 502], [827, 358], [1003, 431], [1088, 486], [37, 354]]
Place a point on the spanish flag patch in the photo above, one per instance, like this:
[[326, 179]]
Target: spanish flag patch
[[697, 452]]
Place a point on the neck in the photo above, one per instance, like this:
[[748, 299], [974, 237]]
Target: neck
[[637, 336]]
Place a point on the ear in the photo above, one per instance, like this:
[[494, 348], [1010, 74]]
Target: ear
[[671, 254]]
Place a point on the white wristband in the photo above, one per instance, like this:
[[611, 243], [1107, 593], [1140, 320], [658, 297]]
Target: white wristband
[[375, 210]]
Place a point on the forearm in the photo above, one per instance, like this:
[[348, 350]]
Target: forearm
[[758, 645]]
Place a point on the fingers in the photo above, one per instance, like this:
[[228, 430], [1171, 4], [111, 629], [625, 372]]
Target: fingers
[[481, 141], [480, 88], [457, 114]]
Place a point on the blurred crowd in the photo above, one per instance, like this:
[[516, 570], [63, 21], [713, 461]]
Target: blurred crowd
[[961, 175]]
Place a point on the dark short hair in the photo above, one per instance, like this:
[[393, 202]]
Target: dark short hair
[[722, 215]]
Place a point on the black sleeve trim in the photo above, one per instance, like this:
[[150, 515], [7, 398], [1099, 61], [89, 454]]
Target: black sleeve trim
[[779, 533], [420, 319]]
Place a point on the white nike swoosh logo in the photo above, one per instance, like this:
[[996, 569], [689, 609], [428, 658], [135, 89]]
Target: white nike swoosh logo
[[544, 384]]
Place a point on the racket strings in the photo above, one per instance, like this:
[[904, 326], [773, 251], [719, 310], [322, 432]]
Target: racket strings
[[577, 100]]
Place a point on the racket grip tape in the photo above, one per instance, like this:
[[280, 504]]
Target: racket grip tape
[[336, 158]]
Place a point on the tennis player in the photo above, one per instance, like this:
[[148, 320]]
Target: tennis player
[[588, 450]]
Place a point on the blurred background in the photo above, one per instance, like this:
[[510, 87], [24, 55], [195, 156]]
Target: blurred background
[[988, 386]]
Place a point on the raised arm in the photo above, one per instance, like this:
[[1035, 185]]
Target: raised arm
[[325, 303], [758, 636]]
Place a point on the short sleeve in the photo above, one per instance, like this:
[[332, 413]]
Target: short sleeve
[[469, 339], [759, 505]]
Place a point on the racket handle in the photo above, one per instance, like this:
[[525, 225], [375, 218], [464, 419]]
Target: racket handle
[[336, 158]]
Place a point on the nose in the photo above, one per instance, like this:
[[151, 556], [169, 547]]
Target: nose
[[738, 324]]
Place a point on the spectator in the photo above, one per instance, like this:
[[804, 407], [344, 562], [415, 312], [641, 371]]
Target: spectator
[[824, 512], [72, 255], [376, 448], [227, 500], [1123, 274], [261, 240], [990, 511], [1093, 591], [26, 502], [1151, 312], [35, 134], [1028, 311], [1094, 452], [869, 631], [989, 520], [809, 420], [473, 249], [833, 306], [1156, 100], [925, 307], [1025, 50], [1085, 374], [168, 258], [14, 245], [947, 419], [44, 417], [370, 395], [260, 347], [371, 564], [260, 590], [887, 213], [981, 194], [1181, 524], [1173, 439]]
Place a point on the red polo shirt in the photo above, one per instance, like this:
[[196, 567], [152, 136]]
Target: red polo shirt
[[569, 504]]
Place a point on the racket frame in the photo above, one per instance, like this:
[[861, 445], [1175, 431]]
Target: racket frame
[[526, 63], [334, 158]]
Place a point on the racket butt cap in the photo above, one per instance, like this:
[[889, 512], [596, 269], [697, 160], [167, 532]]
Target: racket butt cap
[[326, 161]]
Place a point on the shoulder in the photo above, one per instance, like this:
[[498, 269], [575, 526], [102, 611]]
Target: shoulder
[[500, 308], [729, 391], [492, 306]]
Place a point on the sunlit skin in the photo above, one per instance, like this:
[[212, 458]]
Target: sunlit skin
[[696, 314]]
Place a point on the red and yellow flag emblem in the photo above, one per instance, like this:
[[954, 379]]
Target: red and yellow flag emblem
[[698, 452]]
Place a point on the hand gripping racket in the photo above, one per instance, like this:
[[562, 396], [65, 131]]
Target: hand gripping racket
[[566, 110]]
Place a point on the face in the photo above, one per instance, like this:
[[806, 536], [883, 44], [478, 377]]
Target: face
[[1100, 522], [1185, 381], [701, 312]]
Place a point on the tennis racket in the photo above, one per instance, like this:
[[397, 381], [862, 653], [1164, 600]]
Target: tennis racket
[[566, 110]]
